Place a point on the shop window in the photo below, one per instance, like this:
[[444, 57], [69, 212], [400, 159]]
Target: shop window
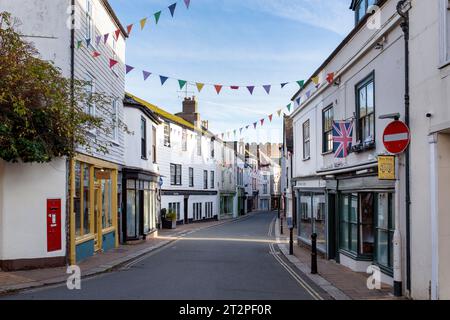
[[175, 207], [357, 223], [306, 141], [132, 210], [82, 199], [365, 112], [312, 218], [385, 228], [327, 129], [103, 180]]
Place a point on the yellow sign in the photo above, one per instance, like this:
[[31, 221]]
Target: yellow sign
[[386, 167]]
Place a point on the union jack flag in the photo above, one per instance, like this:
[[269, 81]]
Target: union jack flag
[[342, 138]]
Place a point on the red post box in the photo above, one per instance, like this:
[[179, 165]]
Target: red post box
[[54, 225]]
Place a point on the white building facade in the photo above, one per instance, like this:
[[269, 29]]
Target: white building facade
[[86, 183]]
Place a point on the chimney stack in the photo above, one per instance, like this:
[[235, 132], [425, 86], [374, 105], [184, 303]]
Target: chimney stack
[[190, 111]]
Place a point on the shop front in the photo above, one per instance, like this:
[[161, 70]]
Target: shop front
[[140, 203], [93, 207], [365, 222], [311, 213]]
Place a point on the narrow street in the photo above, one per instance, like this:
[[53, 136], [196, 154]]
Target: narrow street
[[236, 260]]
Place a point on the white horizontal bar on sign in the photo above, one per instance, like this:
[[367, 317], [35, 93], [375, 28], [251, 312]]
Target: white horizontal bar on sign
[[396, 137]]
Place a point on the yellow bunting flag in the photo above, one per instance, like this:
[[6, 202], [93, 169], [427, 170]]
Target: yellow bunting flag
[[200, 86], [143, 22], [315, 80]]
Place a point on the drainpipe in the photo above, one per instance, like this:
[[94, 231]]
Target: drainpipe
[[402, 9], [69, 253], [434, 218]]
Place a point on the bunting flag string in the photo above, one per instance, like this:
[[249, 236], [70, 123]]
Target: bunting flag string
[[142, 22]]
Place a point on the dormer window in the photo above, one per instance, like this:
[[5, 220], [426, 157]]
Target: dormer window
[[361, 9]]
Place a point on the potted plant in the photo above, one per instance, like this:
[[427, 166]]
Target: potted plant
[[170, 220]]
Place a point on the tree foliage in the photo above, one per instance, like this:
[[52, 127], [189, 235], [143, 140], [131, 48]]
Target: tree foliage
[[42, 113]]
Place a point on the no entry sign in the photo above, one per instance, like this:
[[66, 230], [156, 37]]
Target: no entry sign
[[396, 137]]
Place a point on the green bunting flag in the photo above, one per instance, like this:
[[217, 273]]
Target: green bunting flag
[[289, 107], [182, 83], [301, 83], [79, 44], [157, 16]]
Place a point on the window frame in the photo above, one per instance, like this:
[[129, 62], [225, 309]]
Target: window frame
[[191, 177], [167, 135], [213, 179], [143, 123], [115, 117], [306, 140], [212, 145], [199, 145], [178, 171], [154, 146], [184, 143], [90, 26], [364, 83], [444, 31], [91, 87], [359, 18], [326, 146], [205, 179]]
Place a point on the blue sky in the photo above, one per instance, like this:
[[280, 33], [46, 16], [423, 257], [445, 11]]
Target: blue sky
[[232, 42]]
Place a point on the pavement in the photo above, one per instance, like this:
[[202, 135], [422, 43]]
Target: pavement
[[337, 280], [237, 260]]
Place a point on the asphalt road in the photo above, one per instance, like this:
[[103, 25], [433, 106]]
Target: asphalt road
[[233, 261]]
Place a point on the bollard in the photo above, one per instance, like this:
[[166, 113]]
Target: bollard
[[281, 225], [291, 241], [314, 253]]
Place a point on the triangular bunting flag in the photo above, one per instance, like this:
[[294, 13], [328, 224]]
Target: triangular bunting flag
[[246, 128], [255, 124], [112, 62], [97, 40], [234, 131], [187, 3], [289, 107], [315, 80], [271, 117], [143, 22], [79, 44], [163, 79], [279, 112], [129, 28], [298, 100], [251, 89], [301, 83], [267, 88], [182, 83], [172, 8], [240, 130], [234, 87], [146, 74], [284, 85], [117, 33], [199, 86], [88, 42], [262, 122], [330, 77], [157, 16], [128, 69], [218, 88], [95, 54], [105, 38], [308, 94]]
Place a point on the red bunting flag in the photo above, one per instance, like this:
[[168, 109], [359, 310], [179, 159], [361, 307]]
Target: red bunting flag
[[271, 117], [330, 77], [218, 88], [187, 2], [129, 28], [117, 33], [234, 87], [262, 122], [95, 54], [112, 62]]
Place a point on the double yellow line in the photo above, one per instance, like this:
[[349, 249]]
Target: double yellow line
[[294, 275]]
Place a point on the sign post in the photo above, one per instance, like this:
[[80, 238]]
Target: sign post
[[396, 139]]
